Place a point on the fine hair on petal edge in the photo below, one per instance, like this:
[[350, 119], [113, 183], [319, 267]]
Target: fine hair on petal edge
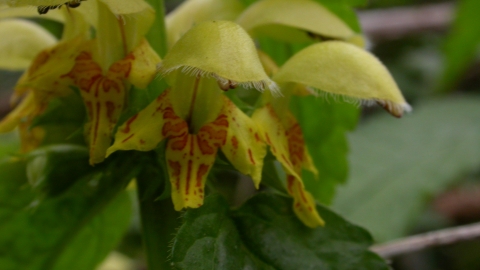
[[391, 106], [194, 71]]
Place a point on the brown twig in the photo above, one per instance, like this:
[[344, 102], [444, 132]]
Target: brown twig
[[430, 239], [397, 22]]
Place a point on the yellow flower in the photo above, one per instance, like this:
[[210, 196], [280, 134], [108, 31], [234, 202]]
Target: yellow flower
[[46, 62], [333, 68], [295, 21], [102, 68], [194, 115], [192, 12]]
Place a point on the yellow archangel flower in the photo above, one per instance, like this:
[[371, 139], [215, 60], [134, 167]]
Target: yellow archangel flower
[[102, 68], [195, 116], [332, 68]]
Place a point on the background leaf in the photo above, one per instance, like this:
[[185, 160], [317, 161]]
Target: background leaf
[[395, 165], [9, 143], [344, 10], [462, 43], [75, 230], [265, 234]]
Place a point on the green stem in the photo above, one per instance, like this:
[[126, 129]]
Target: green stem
[[157, 36], [159, 221]]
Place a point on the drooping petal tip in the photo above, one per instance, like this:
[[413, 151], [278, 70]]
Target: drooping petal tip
[[394, 109]]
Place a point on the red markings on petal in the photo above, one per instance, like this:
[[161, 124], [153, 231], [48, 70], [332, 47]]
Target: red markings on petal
[[96, 121], [296, 145], [250, 156], [235, 142], [128, 138], [257, 137], [202, 170], [179, 143], [110, 110], [189, 176], [128, 123], [175, 167]]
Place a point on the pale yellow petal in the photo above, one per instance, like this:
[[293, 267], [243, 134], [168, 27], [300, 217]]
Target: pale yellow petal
[[308, 163], [275, 136], [144, 65], [76, 24], [289, 20], [299, 155], [120, 28], [191, 95], [19, 3], [244, 146], [221, 49], [28, 12], [135, 18], [192, 12], [189, 158], [89, 11], [26, 108], [150, 126], [339, 68], [45, 74], [20, 42], [127, 7], [304, 204], [287, 145], [103, 96]]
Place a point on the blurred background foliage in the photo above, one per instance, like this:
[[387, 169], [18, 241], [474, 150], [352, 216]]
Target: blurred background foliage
[[406, 176]]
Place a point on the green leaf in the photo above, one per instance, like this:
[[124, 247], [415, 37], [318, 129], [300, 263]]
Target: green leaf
[[462, 43], [63, 120], [75, 230], [356, 3], [9, 144], [67, 110], [53, 169], [265, 234], [397, 163], [208, 239], [325, 124], [343, 9]]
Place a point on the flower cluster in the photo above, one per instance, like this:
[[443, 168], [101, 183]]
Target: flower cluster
[[211, 51]]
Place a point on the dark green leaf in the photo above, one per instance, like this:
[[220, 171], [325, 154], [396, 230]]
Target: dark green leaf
[[9, 144], [208, 239], [265, 234], [75, 230], [325, 124], [461, 44], [67, 110], [63, 120], [343, 9], [53, 169], [356, 3], [396, 164]]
